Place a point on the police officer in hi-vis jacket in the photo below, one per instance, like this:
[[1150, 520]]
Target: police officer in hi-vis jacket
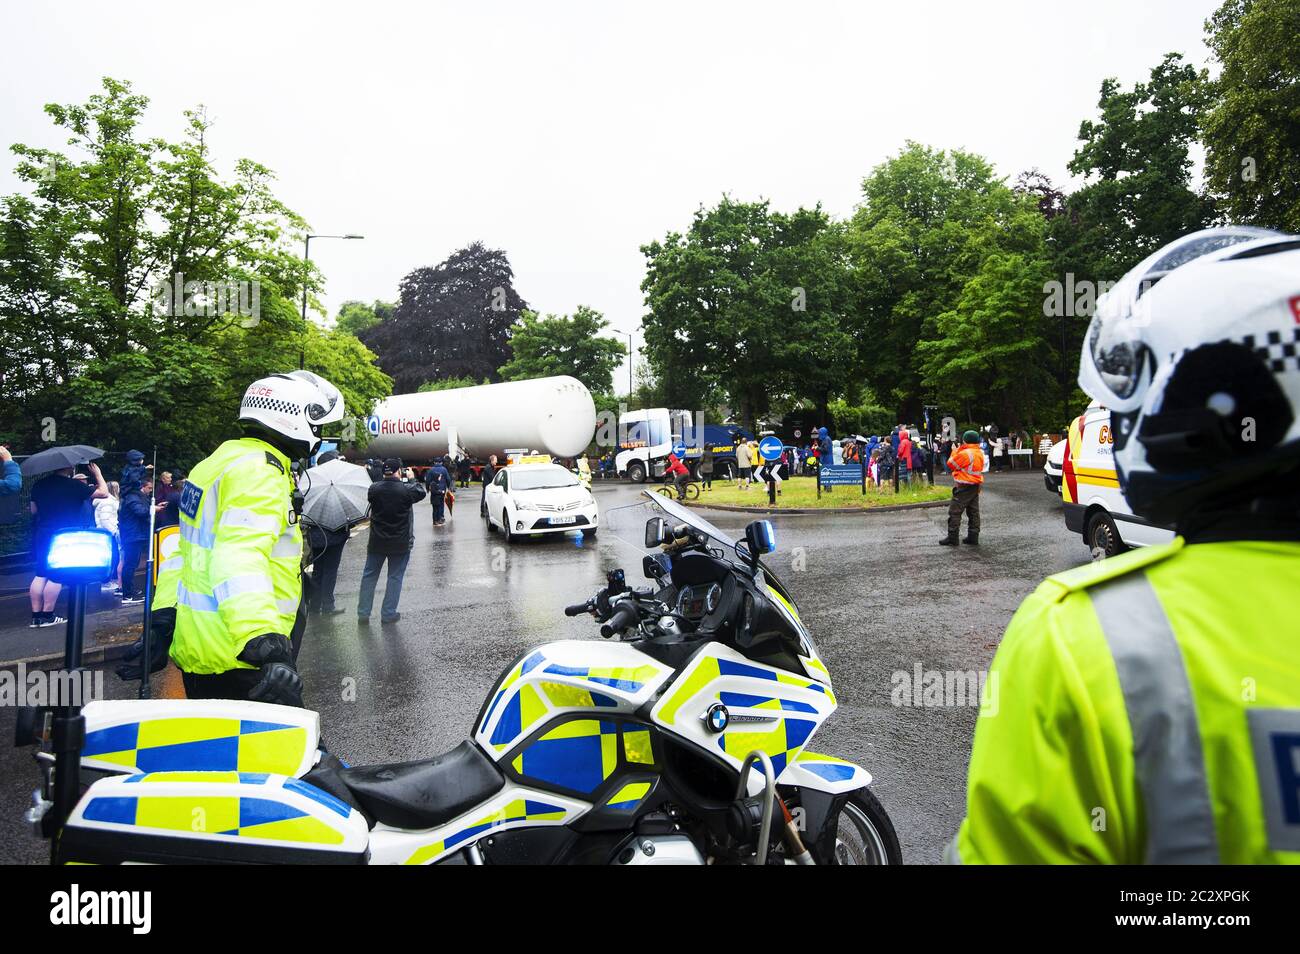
[[1146, 708], [240, 576]]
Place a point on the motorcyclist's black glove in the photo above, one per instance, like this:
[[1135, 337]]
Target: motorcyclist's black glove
[[162, 625], [273, 655]]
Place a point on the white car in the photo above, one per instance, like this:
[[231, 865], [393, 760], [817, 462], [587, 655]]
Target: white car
[[524, 499]]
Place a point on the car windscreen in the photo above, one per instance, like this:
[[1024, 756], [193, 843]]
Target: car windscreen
[[537, 478]]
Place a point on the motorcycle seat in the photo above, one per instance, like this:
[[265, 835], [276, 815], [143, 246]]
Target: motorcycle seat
[[427, 793]]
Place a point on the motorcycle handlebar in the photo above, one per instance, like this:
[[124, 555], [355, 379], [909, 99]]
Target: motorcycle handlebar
[[624, 616], [577, 609]]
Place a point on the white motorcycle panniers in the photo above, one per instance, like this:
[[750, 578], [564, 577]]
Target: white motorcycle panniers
[[206, 817]]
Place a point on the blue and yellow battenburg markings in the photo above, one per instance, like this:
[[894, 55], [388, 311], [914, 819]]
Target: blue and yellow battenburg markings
[[219, 745], [782, 739], [629, 796], [826, 766], [742, 700], [578, 754], [615, 677], [233, 816], [512, 813], [528, 664], [710, 668], [522, 709]]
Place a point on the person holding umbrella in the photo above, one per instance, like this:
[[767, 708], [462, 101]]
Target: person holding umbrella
[[336, 498], [58, 502]]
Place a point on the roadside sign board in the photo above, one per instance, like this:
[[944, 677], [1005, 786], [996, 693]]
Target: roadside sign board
[[840, 475], [679, 449], [769, 448]]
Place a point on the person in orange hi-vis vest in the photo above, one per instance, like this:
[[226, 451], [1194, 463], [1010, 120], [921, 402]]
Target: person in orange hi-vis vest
[[967, 465]]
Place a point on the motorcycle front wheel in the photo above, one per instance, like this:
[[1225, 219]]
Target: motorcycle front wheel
[[862, 833]]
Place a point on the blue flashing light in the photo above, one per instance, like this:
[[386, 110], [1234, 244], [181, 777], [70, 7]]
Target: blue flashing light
[[81, 556], [768, 536]]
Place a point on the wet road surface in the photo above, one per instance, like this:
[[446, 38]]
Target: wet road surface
[[877, 592]]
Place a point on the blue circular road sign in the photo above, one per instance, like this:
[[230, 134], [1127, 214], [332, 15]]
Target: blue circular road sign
[[769, 448], [680, 449]]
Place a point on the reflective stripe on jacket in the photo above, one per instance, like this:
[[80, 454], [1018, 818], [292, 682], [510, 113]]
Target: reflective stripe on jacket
[[168, 579], [967, 464], [1145, 709], [240, 574]]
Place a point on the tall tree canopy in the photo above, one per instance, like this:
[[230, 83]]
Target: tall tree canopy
[[1136, 161], [564, 344], [928, 223], [140, 291], [1252, 129], [355, 317], [751, 303], [452, 320]]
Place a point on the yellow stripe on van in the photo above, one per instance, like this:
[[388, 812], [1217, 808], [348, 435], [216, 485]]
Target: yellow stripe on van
[[1097, 481]]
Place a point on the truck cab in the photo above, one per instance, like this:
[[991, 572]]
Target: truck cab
[[647, 436]]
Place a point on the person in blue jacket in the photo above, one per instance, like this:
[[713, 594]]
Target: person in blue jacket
[[438, 479], [133, 527], [11, 477]]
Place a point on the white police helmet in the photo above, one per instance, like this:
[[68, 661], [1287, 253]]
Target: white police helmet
[[1196, 353], [290, 410]]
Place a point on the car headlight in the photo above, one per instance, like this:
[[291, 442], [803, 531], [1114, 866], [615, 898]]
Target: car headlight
[[525, 505]]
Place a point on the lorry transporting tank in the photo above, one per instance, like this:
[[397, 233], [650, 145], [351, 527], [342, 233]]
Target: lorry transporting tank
[[647, 436], [548, 415]]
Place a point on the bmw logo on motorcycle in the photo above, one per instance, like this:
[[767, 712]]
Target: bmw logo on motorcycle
[[716, 717]]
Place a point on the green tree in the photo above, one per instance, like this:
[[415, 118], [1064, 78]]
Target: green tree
[[751, 304], [564, 344], [447, 384], [140, 291], [990, 351], [183, 396], [1137, 165], [1252, 130], [928, 222], [355, 317]]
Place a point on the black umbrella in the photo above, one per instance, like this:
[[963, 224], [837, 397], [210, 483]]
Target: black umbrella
[[57, 458]]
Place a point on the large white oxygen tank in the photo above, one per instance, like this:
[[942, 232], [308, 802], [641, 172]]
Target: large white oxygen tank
[[551, 415]]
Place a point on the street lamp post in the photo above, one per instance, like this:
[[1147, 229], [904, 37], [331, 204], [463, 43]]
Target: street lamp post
[[306, 259], [629, 359]]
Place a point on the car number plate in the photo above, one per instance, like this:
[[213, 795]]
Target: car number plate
[[560, 520]]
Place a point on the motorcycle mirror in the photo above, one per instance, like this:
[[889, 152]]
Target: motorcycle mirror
[[656, 532], [760, 537]]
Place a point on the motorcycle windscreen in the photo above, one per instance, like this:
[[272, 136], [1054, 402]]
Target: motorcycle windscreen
[[628, 524]]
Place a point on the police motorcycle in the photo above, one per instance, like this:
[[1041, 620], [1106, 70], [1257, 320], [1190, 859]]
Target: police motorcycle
[[683, 740]]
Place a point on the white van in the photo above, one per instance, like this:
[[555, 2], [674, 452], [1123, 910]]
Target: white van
[[1053, 466], [1090, 494]]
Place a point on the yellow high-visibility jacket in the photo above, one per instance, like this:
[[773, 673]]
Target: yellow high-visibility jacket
[[241, 551], [1145, 709]]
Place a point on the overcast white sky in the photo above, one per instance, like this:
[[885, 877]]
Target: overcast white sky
[[570, 133]]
